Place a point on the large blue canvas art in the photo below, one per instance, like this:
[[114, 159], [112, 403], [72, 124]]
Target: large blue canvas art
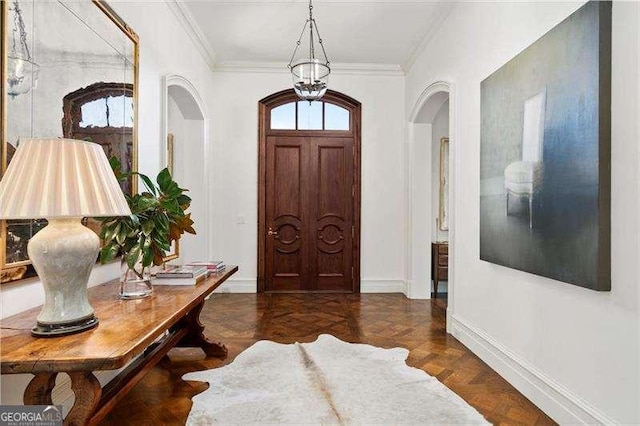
[[545, 154]]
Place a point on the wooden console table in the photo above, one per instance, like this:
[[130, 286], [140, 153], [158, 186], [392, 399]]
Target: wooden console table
[[439, 264], [145, 328]]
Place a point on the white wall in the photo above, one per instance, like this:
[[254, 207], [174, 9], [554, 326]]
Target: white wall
[[235, 164], [573, 351], [164, 49], [419, 208]]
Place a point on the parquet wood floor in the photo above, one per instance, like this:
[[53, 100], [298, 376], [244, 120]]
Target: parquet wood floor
[[388, 320]]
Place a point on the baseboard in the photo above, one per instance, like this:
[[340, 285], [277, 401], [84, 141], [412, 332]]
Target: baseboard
[[383, 286], [554, 399], [238, 285], [247, 285]]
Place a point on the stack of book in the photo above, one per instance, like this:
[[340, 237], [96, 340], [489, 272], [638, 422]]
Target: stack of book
[[212, 265], [180, 275]]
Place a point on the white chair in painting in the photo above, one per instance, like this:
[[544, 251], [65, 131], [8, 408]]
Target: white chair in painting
[[524, 178]]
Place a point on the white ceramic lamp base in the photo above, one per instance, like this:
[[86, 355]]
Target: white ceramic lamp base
[[63, 254]]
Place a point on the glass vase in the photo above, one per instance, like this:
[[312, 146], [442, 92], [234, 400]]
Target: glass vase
[[135, 283]]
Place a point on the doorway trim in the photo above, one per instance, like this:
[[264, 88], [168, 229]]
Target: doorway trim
[[264, 107], [193, 107], [423, 112]]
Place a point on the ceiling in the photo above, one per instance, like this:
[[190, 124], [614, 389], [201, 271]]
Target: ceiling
[[354, 32]]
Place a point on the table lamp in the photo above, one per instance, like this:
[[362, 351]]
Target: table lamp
[[62, 180]]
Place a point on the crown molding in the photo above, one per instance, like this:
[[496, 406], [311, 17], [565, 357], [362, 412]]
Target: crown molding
[[336, 68], [438, 20], [186, 19], [192, 28], [61, 58]]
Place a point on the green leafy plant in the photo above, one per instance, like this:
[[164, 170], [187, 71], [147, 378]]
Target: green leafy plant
[[158, 217]]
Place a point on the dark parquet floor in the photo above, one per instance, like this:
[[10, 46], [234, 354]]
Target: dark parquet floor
[[389, 320]]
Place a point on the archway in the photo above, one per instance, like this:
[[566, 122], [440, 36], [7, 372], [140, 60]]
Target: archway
[[422, 213], [186, 152]]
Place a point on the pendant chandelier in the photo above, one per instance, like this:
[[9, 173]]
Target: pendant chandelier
[[310, 75], [22, 71]]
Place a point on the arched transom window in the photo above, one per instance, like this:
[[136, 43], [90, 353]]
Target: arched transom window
[[304, 115]]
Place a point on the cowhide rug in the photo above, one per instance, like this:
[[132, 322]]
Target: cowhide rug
[[327, 381]]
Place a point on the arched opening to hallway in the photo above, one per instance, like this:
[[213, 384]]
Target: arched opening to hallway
[[431, 148], [186, 155]]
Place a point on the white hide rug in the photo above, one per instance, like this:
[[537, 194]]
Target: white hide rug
[[327, 381]]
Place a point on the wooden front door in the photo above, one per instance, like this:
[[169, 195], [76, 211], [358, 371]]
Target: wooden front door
[[309, 206]]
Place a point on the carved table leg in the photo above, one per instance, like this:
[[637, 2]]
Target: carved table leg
[[87, 391], [38, 391], [196, 338]]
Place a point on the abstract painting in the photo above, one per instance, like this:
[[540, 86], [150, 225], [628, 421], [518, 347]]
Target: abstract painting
[[545, 155]]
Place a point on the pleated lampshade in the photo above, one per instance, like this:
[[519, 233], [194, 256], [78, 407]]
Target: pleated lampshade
[[54, 178]]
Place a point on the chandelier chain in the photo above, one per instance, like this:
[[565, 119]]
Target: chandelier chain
[[312, 53], [321, 44], [310, 75], [298, 44], [19, 25]]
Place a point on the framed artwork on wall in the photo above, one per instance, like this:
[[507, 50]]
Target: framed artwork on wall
[[443, 205], [545, 156], [174, 252], [170, 141]]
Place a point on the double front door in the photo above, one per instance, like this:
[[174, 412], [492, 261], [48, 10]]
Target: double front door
[[309, 217]]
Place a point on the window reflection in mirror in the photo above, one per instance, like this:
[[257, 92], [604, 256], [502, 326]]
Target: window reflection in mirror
[[103, 113], [110, 111]]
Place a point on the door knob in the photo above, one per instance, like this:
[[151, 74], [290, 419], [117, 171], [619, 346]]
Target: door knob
[[272, 232]]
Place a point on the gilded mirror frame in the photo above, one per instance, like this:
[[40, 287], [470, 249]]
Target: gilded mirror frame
[[7, 269]]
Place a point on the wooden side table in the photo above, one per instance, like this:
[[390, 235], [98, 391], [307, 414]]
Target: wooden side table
[[145, 328], [439, 264]]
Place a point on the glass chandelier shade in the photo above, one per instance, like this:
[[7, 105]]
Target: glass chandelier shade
[[22, 75], [310, 75], [310, 79], [22, 71]]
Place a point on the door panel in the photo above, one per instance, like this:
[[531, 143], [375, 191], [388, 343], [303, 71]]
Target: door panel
[[286, 182], [332, 213], [287, 251]]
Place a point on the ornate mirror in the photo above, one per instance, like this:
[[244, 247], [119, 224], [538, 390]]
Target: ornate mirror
[[70, 69]]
